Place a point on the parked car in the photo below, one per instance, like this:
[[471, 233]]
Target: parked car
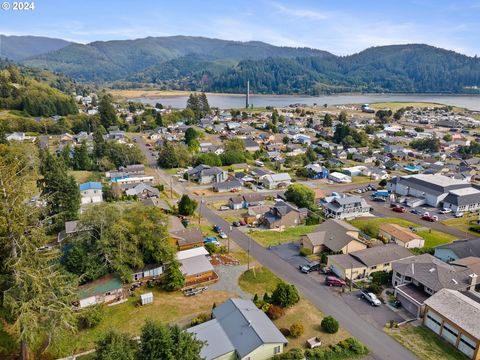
[[217, 228], [415, 211], [224, 208], [242, 222], [430, 218], [210, 239], [399, 209], [334, 281], [307, 268], [222, 235], [236, 224], [371, 298], [459, 215], [445, 211]]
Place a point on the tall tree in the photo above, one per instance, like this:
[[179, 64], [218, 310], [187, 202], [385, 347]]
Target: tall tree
[[59, 189], [81, 158], [327, 120], [108, 115], [116, 346]]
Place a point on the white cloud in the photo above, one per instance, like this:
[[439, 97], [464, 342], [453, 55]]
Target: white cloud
[[300, 13]]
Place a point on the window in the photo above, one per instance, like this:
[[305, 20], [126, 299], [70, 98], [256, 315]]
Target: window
[[386, 264], [276, 350], [373, 267]]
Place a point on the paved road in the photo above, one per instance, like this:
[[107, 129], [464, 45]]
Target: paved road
[[381, 345]]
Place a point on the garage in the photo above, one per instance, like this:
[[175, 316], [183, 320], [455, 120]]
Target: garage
[[433, 322], [449, 333], [467, 345]]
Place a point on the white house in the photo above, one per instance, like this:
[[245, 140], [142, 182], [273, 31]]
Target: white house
[[91, 192], [275, 181], [340, 178]]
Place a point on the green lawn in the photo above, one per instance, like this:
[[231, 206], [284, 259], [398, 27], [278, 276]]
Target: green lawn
[[258, 281], [271, 238], [432, 237], [128, 317], [462, 223], [425, 344]]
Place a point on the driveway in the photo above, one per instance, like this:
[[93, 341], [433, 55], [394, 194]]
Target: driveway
[[229, 280], [290, 253], [378, 316]]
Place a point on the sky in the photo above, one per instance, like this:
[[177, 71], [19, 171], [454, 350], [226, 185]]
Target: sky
[[340, 26]]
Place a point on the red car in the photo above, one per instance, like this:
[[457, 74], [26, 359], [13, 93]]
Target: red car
[[334, 281], [399, 209], [430, 218]]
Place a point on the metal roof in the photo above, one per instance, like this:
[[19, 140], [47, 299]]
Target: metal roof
[[90, 185]]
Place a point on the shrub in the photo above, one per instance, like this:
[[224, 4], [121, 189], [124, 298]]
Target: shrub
[[200, 319], [296, 330], [374, 288], [285, 295], [91, 317], [292, 354], [275, 312], [345, 349], [370, 230], [475, 228], [285, 332], [330, 324], [305, 251], [312, 220], [381, 277]]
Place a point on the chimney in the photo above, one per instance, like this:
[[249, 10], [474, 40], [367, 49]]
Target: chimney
[[473, 281]]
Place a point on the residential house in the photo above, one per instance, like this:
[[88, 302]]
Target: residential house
[[245, 201], [316, 171], [91, 193], [230, 185], [195, 266], [347, 207], [275, 181], [205, 174], [19, 136], [333, 236], [188, 238], [147, 272], [143, 191], [107, 289], [239, 330], [455, 317], [355, 170], [363, 158], [458, 250], [255, 213], [339, 177], [360, 264], [251, 145], [236, 202], [400, 236], [416, 278], [283, 215], [378, 174]]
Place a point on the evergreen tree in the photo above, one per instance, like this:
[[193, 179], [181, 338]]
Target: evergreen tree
[[187, 206], [327, 120], [108, 115], [116, 346], [174, 278], [81, 158]]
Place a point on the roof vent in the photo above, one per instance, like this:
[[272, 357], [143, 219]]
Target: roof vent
[[455, 281], [432, 270]]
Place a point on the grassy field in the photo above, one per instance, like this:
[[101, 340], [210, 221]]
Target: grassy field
[[128, 317], [303, 313], [84, 176], [432, 237], [271, 238], [394, 106], [425, 344], [462, 223]]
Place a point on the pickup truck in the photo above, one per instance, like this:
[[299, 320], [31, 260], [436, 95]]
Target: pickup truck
[[371, 298], [307, 268]]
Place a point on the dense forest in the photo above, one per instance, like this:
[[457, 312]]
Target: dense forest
[[32, 92], [194, 63]]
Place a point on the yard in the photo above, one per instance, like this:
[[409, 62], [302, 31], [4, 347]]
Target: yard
[[463, 223], [432, 237], [85, 176], [271, 238], [168, 307], [425, 344], [303, 313]]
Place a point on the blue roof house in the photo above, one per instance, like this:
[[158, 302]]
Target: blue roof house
[[91, 192]]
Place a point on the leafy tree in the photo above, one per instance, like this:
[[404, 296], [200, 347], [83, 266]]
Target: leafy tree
[[285, 295], [116, 346], [190, 135], [300, 195], [235, 144], [447, 137], [210, 159], [123, 154], [342, 117], [327, 120], [311, 155], [231, 157], [174, 278], [187, 206], [108, 115], [173, 155], [330, 325], [168, 342], [427, 145], [383, 115]]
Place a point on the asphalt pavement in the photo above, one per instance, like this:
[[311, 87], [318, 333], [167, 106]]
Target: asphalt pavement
[[380, 344]]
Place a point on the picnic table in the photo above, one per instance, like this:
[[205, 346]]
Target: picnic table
[[194, 291], [314, 342]]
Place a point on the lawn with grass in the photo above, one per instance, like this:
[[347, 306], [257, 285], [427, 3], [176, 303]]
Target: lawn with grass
[[433, 237], [425, 344], [272, 238], [463, 223], [305, 313], [85, 176], [168, 307]]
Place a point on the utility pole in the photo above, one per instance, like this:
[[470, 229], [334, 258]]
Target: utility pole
[[248, 253], [200, 210], [171, 188]]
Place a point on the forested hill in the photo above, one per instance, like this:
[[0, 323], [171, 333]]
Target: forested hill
[[35, 92], [22, 47], [196, 63]]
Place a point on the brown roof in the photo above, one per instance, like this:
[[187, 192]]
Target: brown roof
[[399, 232], [471, 262], [188, 236]]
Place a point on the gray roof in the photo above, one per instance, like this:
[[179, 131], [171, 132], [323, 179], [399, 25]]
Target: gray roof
[[434, 273], [246, 326], [195, 265], [448, 302], [381, 254], [140, 188], [227, 185], [432, 184], [217, 341], [463, 196], [333, 234], [463, 248], [191, 235]]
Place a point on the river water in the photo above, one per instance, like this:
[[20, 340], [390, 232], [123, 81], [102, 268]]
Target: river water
[[471, 102]]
